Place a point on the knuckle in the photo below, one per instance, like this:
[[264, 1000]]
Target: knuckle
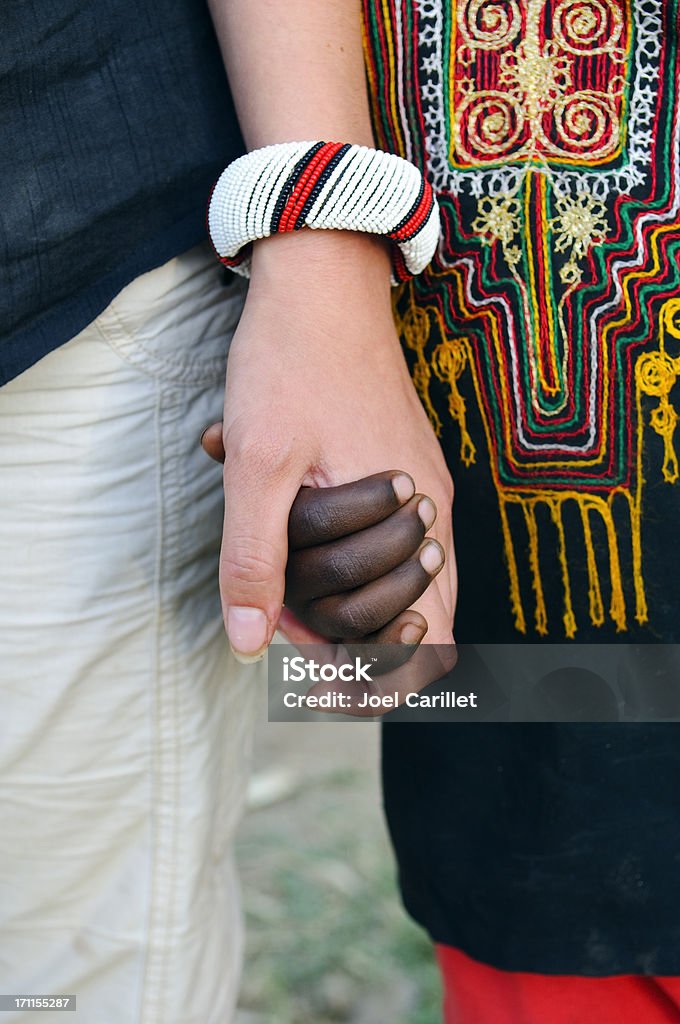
[[409, 533], [263, 455], [354, 620], [316, 521], [343, 569], [248, 560]]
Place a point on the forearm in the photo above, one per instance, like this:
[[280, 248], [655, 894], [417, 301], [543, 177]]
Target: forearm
[[317, 387], [295, 68], [296, 72]]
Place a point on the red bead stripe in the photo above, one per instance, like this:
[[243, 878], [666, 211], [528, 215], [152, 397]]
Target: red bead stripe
[[400, 271], [420, 215], [306, 183], [238, 259]]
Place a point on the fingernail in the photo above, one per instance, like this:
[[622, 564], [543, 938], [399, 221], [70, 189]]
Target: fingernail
[[203, 435], [427, 512], [247, 632], [412, 634], [431, 557], [403, 487]]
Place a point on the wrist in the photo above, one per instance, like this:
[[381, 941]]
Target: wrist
[[326, 257], [321, 288]]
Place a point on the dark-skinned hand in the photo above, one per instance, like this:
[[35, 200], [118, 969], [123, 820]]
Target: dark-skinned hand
[[358, 558]]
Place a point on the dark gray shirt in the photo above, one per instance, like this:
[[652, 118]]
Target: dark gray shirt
[[115, 120]]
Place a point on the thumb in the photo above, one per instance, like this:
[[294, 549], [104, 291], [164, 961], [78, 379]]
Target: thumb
[[212, 443], [259, 489]]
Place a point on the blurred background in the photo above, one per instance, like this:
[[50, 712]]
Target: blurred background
[[328, 940]]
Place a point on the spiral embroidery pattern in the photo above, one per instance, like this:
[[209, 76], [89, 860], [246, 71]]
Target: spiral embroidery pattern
[[535, 80]]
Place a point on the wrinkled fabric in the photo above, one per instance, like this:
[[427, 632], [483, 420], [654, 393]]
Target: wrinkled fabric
[[116, 119], [125, 722]]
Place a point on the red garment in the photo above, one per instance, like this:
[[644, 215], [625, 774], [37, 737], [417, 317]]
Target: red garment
[[477, 994]]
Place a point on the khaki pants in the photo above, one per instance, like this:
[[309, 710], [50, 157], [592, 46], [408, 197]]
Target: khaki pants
[[125, 723]]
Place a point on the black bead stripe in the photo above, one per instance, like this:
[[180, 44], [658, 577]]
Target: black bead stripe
[[419, 227], [380, 187], [323, 178], [255, 190], [410, 213], [290, 184]]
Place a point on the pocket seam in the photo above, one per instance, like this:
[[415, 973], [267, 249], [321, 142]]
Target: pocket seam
[[200, 371], [114, 330]]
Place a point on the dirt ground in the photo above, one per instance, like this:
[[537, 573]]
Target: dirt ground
[[328, 940]]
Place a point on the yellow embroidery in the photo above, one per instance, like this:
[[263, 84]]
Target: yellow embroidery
[[448, 362], [655, 375], [580, 223], [498, 220], [414, 328]]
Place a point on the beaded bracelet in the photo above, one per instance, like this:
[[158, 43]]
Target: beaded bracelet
[[295, 185]]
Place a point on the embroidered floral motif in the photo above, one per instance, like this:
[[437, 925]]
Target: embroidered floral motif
[[498, 220], [581, 222]]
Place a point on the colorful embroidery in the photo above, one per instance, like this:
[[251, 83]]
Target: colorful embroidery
[[532, 80], [550, 130]]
